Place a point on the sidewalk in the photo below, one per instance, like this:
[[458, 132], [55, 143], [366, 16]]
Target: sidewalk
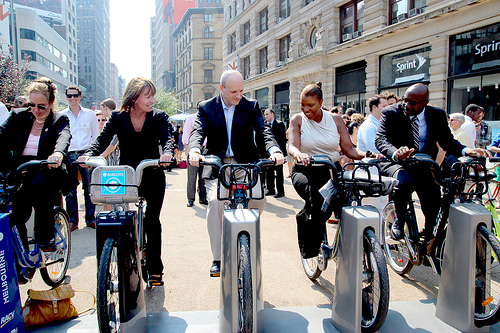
[[406, 316]]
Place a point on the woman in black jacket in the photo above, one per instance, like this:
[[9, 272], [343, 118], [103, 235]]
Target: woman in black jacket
[[37, 133], [142, 132]]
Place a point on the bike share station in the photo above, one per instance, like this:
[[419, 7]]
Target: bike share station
[[455, 303], [118, 185], [347, 300]]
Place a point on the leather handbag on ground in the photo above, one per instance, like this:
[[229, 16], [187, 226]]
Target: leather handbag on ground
[[50, 306]]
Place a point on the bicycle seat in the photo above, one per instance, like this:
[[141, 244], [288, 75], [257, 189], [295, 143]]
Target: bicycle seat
[[371, 183]]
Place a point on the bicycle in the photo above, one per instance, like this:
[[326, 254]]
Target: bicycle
[[403, 254], [53, 262], [361, 181], [122, 242], [242, 179]]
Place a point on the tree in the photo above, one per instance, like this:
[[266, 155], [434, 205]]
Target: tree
[[166, 101], [12, 76]]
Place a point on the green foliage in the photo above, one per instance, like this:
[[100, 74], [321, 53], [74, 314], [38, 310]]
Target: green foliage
[[12, 76], [166, 101]]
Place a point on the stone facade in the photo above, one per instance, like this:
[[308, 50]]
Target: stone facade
[[320, 20]]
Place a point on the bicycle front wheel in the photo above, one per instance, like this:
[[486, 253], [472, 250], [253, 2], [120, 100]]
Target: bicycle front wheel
[[487, 278], [396, 251], [57, 260], [108, 292], [375, 290], [245, 290]]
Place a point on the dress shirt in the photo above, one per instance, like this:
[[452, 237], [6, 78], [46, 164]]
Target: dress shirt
[[84, 128], [469, 128], [4, 113], [366, 134], [228, 115]]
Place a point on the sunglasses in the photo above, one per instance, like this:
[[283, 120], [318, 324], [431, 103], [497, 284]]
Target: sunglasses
[[412, 102], [39, 106], [72, 95], [102, 120]]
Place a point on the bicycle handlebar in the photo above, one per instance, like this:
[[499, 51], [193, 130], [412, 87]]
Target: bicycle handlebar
[[215, 161], [31, 164]]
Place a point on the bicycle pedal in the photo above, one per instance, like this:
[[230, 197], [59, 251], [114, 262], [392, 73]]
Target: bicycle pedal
[[152, 284]]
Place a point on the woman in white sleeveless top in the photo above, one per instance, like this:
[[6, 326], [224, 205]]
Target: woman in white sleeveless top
[[312, 132]]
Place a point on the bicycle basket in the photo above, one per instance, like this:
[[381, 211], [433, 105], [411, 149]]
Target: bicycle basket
[[113, 185]]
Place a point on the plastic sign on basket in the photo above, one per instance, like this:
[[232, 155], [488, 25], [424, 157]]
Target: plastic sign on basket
[[113, 181]]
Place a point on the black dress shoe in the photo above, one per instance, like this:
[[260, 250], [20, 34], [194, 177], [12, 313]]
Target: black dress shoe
[[190, 203], [204, 202], [270, 193], [279, 195], [215, 269], [396, 232]]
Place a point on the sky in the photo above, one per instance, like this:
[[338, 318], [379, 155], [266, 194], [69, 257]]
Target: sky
[[130, 34]]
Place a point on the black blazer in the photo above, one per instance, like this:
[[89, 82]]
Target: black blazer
[[55, 137], [279, 132], [395, 131], [135, 146], [210, 123]]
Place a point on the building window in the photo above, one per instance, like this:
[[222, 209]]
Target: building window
[[402, 9], [263, 20], [28, 55], [208, 17], [313, 38], [208, 53], [27, 34], [352, 20], [246, 32], [208, 76], [284, 48], [208, 96], [207, 32], [246, 67], [263, 60], [232, 42], [284, 8], [308, 2]]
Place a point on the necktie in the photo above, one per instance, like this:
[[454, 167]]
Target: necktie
[[416, 134]]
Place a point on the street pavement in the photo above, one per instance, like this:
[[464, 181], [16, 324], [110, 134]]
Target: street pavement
[[187, 258]]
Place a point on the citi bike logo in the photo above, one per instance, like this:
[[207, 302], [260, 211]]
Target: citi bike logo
[[411, 64]]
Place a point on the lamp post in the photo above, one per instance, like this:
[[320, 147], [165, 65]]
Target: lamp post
[[233, 36]]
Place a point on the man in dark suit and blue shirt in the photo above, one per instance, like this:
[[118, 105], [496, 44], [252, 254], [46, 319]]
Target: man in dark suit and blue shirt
[[279, 132], [410, 127], [229, 122]]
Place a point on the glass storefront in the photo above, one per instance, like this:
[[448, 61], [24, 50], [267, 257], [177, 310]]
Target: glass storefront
[[350, 86], [474, 73]]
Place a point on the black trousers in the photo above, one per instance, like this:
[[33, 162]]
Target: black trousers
[[311, 219], [152, 188], [417, 178], [39, 190], [270, 177]]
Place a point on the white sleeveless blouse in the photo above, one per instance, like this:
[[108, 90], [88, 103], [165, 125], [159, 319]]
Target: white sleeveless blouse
[[321, 138]]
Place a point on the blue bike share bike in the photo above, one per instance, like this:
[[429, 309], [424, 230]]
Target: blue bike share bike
[[53, 262]]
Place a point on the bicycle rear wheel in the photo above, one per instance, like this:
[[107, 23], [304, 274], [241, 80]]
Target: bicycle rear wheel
[[245, 290], [57, 260], [375, 290], [396, 251], [487, 278], [108, 292]]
